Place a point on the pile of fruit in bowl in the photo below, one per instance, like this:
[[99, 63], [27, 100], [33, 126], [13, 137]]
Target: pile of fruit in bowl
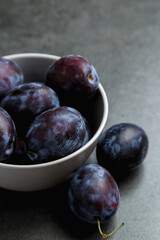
[[51, 127], [53, 111], [45, 129]]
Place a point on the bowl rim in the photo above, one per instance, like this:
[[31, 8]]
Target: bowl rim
[[32, 55], [74, 154]]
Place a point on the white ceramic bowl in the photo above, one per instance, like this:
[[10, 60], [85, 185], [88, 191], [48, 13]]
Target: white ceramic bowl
[[46, 175]]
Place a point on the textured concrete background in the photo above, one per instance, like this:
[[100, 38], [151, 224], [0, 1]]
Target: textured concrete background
[[122, 40]]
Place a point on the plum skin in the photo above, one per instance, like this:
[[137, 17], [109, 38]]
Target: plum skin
[[7, 135], [54, 134], [72, 74], [122, 148], [93, 194], [88, 133], [26, 101], [10, 76]]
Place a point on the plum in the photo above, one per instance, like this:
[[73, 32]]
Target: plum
[[27, 101], [10, 76], [121, 148], [7, 135], [93, 194], [54, 134], [88, 133], [72, 76]]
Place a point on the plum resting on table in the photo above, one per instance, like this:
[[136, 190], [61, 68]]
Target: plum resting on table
[[26, 101], [10, 76], [54, 134], [93, 194], [7, 135], [122, 148], [72, 75]]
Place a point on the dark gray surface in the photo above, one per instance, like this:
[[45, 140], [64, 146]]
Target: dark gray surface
[[122, 39]]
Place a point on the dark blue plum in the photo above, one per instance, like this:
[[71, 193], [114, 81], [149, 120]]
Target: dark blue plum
[[10, 76], [122, 148], [54, 134], [72, 76], [7, 135], [88, 133], [93, 194], [27, 101]]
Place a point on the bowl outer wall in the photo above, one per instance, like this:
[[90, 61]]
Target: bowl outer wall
[[46, 175]]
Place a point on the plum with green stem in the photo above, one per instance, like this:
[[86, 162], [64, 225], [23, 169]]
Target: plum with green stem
[[93, 195]]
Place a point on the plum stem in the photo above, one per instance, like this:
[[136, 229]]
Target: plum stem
[[104, 236]]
